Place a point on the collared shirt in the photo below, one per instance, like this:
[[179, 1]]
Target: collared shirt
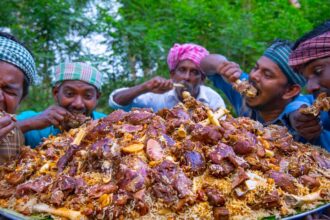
[[243, 110], [10, 145], [34, 137], [168, 100]]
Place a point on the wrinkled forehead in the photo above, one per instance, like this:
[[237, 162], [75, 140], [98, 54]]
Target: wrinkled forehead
[[77, 85], [268, 64], [11, 73]]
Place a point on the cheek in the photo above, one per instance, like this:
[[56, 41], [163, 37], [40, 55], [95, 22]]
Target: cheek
[[325, 79], [176, 77], [12, 103], [64, 101], [91, 104]]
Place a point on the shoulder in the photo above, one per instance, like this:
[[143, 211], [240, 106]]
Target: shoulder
[[97, 115], [26, 114], [304, 98], [209, 91]]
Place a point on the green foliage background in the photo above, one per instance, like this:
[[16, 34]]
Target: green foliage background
[[139, 33]]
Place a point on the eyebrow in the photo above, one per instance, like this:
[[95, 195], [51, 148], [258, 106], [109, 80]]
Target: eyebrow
[[68, 87], [266, 68], [12, 86]]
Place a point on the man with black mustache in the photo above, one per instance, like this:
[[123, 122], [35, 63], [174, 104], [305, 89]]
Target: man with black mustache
[[278, 86], [158, 93], [311, 58], [76, 91]]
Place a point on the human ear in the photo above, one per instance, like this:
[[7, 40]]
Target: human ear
[[291, 91], [55, 91]]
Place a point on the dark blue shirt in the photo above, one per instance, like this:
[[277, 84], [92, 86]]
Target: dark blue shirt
[[243, 110]]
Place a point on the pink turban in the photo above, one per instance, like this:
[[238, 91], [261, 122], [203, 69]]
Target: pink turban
[[192, 52]]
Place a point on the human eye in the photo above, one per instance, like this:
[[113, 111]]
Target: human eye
[[268, 74], [196, 72], [10, 91], [255, 68], [68, 93], [318, 70], [88, 96], [181, 70]]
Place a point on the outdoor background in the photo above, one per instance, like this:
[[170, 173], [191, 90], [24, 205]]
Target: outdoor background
[[128, 40]]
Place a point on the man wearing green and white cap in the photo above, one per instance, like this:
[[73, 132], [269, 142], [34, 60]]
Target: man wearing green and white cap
[[76, 91], [17, 73]]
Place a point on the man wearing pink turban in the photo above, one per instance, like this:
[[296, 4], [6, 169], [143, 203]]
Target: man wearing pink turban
[[158, 93]]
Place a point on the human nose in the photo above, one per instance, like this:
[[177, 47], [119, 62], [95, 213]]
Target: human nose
[[78, 103], [1, 95], [255, 76], [312, 85]]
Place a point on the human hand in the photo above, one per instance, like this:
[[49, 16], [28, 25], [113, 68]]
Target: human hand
[[158, 85], [53, 115], [6, 125], [229, 70], [307, 125]]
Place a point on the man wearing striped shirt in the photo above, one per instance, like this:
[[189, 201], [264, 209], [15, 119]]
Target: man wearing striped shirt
[[17, 73]]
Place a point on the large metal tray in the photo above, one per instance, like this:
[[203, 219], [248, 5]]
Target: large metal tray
[[16, 216]]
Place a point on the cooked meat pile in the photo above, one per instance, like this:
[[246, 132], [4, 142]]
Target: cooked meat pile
[[245, 88], [74, 121], [322, 103], [186, 162]]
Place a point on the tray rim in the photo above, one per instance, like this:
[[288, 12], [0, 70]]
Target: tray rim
[[11, 214]]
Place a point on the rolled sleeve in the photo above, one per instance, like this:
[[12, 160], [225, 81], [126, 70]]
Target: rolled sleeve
[[114, 104]]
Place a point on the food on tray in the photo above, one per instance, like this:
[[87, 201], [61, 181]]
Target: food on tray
[[184, 163]]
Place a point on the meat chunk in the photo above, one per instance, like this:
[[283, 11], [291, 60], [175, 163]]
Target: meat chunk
[[238, 161], [239, 178], [210, 134], [245, 143], [214, 197], [101, 148], [154, 150], [195, 162], [220, 213], [6, 192], [321, 160], [309, 181], [98, 190], [220, 152], [222, 169], [127, 128], [285, 181], [299, 166], [116, 116], [37, 185], [272, 200], [139, 117], [63, 161], [170, 183], [132, 175]]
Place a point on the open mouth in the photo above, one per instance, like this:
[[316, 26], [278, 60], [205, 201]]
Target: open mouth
[[256, 87], [185, 87]]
